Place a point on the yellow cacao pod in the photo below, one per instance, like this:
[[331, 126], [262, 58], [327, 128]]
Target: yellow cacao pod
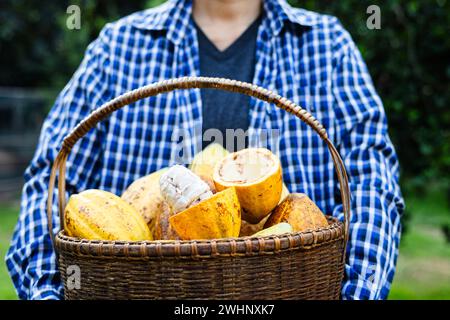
[[248, 229], [256, 175], [215, 217], [101, 215], [144, 194], [204, 162], [278, 229]]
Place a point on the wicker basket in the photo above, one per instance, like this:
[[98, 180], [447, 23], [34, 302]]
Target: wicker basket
[[302, 265]]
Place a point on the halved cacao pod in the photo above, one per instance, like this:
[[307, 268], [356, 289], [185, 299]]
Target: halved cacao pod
[[216, 217], [256, 175], [248, 229]]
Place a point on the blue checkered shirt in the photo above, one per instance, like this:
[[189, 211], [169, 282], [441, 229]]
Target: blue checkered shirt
[[304, 56]]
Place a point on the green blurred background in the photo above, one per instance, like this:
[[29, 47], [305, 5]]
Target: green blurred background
[[408, 59]]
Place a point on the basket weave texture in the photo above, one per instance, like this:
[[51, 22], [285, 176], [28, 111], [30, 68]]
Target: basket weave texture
[[302, 265]]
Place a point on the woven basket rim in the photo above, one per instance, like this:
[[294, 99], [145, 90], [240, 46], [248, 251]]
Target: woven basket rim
[[243, 246]]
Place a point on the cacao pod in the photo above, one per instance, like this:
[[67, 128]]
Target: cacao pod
[[300, 212], [163, 229], [144, 195], [204, 161], [181, 188], [280, 228], [101, 215], [215, 217], [256, 175]]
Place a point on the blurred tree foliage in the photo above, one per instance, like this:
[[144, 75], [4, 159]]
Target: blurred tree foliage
[[36, 39], [408, 59]]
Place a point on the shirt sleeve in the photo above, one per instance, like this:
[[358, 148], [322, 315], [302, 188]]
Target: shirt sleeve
[[30, 259], [373, 169]]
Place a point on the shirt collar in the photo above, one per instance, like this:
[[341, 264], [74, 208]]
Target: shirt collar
[[279, 12], [174, 17]]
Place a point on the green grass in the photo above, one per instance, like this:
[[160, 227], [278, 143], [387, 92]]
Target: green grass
[[423, 268], [8, 219]]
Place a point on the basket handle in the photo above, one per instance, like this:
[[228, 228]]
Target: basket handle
[[187, 83]]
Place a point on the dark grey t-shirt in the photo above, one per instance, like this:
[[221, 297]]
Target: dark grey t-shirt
[[221, 109]]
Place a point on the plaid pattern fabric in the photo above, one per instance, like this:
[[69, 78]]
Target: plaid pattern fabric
[[306, 57]]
